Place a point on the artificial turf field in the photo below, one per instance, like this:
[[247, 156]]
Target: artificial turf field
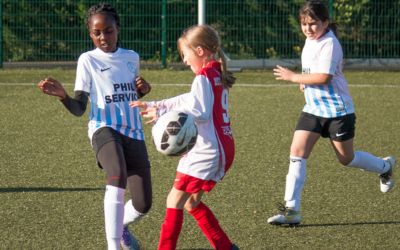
[[51, 191]]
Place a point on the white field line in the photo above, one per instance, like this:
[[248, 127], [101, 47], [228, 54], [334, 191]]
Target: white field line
[[251, 85]]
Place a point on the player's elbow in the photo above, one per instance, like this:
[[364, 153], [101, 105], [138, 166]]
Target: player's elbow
[[325, 78], [78, 111]]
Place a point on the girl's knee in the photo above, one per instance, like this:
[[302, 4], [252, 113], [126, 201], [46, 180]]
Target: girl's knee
[[189, 206], [191, 203], [117, 181], [345, 161], [299, 152], [142, 207]]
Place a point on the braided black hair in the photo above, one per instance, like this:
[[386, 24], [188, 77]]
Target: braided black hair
[[102, 8]]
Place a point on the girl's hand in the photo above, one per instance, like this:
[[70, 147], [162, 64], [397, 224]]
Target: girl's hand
[[142, 86], [138, 104], [302, 87], [282, 73], [147, 112], [52, 87], [150, 113]]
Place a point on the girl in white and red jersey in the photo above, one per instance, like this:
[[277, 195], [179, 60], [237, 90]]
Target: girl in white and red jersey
[[211, 157], [328, 112], [108, 76]]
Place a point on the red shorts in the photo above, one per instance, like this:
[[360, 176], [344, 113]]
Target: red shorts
[[192, 184]]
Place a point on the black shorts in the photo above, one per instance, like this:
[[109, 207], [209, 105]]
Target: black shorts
[[337, 129], [135, 151]]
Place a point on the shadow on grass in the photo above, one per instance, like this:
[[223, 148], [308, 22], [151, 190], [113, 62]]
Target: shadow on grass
[[343, 224], [45, 189]]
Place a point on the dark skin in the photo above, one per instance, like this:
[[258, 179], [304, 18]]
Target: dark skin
[[103, 31]]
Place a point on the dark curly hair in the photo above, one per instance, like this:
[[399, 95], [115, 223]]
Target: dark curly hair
[[102, 8]]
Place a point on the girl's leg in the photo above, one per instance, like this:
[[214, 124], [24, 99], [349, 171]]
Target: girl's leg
[[140, 190], [366, 161], [359, 159], [207, 222], [173, 219], [302, 145], [139, 184], [111, 158]]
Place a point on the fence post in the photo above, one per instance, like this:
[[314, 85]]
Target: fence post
[[164, 34], [201, 11], [331, 10], [1, 34]]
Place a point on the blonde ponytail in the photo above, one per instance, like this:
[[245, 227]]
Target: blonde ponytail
[[207, 37], [227, 77]]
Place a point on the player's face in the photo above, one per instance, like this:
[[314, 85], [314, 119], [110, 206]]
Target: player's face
[[313, 29], [192, 58], [104, 32]]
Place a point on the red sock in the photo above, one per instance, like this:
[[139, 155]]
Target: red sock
[[170, 229], [210, 227]]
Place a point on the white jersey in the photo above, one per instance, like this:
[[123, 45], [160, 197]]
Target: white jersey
[[109, 78], [325, 56], [207, 101]]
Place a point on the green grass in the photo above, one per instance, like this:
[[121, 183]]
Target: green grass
[[51, 190]]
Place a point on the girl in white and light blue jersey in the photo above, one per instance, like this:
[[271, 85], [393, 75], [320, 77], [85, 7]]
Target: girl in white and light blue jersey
[[108, 77], [325, 56], [328, 112]]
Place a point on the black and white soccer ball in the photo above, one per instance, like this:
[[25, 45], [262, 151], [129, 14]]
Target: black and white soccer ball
[[175, 133]]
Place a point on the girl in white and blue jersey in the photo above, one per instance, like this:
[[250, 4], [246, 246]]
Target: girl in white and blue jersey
[[328, 112], [325, 56], [118, 70], [108, 76]]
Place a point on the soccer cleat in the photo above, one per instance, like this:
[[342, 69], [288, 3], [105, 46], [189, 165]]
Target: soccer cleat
[[234, 247], [286, 216], [128, 241], [386, 180]]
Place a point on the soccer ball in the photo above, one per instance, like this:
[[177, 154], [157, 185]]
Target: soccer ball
[[174, 133]]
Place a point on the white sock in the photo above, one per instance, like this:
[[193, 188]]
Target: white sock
[[131, 214], [113, 215], [369, 162], [295, 180]]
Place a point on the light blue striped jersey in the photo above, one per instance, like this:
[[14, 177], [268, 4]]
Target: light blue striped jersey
[[109, 78], [325, 55]]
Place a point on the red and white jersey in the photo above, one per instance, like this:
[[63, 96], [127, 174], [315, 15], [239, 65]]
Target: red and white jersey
[[207, 101]]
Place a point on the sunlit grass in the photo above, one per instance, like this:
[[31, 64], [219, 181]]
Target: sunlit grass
[[51, 189]]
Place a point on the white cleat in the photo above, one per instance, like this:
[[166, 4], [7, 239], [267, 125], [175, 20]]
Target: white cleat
[[386, 180], [286, 216]]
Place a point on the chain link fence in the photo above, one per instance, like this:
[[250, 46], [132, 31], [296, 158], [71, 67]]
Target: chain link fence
[[55, 31]]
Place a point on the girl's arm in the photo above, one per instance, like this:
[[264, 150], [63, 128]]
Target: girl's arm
[[198, 102], [76, 105], [282, 73]]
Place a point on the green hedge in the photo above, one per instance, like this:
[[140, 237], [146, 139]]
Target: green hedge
[[54, 30]]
